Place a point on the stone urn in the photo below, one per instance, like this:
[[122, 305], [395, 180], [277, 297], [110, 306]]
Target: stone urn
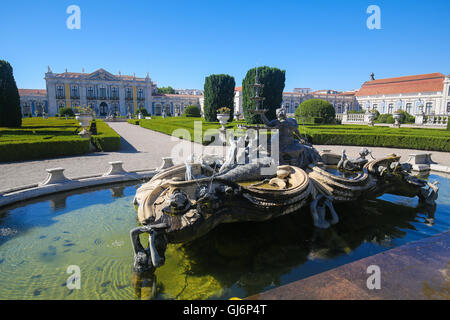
[[223, 118], [397, 117], [369, 117], [85, 121]]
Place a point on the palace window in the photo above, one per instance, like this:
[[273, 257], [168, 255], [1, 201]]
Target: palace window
[[375, 107], [448, 107], [74, 92], [102, 93], [90, 92], [391, 108], [408, 108], [59, 91], [428, 107], [140, 93], [61, 105], [114, 92], [128, 93]]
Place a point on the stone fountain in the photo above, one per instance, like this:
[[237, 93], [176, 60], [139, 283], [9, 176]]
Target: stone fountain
[[184, 202]]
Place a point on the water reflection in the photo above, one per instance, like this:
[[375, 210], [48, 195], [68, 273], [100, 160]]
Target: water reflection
[[255, 256]]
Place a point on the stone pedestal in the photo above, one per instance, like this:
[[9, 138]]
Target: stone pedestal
[[420, 119], [167, 162], [55, 175], [115, 168]]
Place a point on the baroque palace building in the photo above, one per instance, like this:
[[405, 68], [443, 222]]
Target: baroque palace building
[[417, 94], [291, 100], [104, 92]]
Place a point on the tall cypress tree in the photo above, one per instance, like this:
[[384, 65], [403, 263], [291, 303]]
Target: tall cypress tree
[[218, 93], [273, 80], [10, 113]]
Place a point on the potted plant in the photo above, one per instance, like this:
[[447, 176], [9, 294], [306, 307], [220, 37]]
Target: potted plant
[[223, 114], [84, 115]]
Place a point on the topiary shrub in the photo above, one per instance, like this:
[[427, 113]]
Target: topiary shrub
[[308, 110], [10, 111], [192, 111], [143, 111], [66, 112]]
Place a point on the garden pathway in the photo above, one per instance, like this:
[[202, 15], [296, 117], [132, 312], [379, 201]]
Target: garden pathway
[[142, 149]]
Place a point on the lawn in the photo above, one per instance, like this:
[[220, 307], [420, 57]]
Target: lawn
[[169, 125], [356, 135], [46, 138]]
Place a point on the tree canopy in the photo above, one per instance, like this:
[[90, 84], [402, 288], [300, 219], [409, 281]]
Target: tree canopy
[[191, 111], [218, 93], [10, 112], [166, 90], [273, 80], [315, 109]]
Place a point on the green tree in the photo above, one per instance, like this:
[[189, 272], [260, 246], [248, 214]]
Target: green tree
[[192, 111], [316, 111], [141, 110], [166, 90], [273, 80], [66, 111], [10, 112], [218, 93]]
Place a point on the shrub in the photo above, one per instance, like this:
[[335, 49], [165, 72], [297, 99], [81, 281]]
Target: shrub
[[133, 121], [192, 111], [316, 108], [10, 111], [273, 80], [106, 138], [66, 111], [408, 138], [218, 92], [390, 119], [39, 149], [143, 111]]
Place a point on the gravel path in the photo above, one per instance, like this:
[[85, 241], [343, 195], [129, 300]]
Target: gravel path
[[143, 149]]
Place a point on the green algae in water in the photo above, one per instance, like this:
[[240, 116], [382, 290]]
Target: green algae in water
[[42, 244]]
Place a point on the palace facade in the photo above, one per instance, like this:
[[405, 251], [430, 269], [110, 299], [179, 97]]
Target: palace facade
[[291, 100], [104, 92], [417, 94]]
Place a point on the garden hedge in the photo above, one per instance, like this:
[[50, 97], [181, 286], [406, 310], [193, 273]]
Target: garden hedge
[[106, 139], [407, 138], [39, 149]]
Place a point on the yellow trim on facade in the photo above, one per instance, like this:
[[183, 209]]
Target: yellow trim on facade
[[134, 98], [67, 90]]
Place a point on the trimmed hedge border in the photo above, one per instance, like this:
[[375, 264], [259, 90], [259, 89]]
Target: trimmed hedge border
[[421, 140], [106, 138], [55, 147]]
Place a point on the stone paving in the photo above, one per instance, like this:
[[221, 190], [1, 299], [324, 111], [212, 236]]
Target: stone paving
[[417, 270], [143, 149]]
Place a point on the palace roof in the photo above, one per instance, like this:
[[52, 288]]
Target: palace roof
[[36, 92], [409, 84]]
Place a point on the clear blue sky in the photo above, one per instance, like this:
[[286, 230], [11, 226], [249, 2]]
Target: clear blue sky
[[320, 44]]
